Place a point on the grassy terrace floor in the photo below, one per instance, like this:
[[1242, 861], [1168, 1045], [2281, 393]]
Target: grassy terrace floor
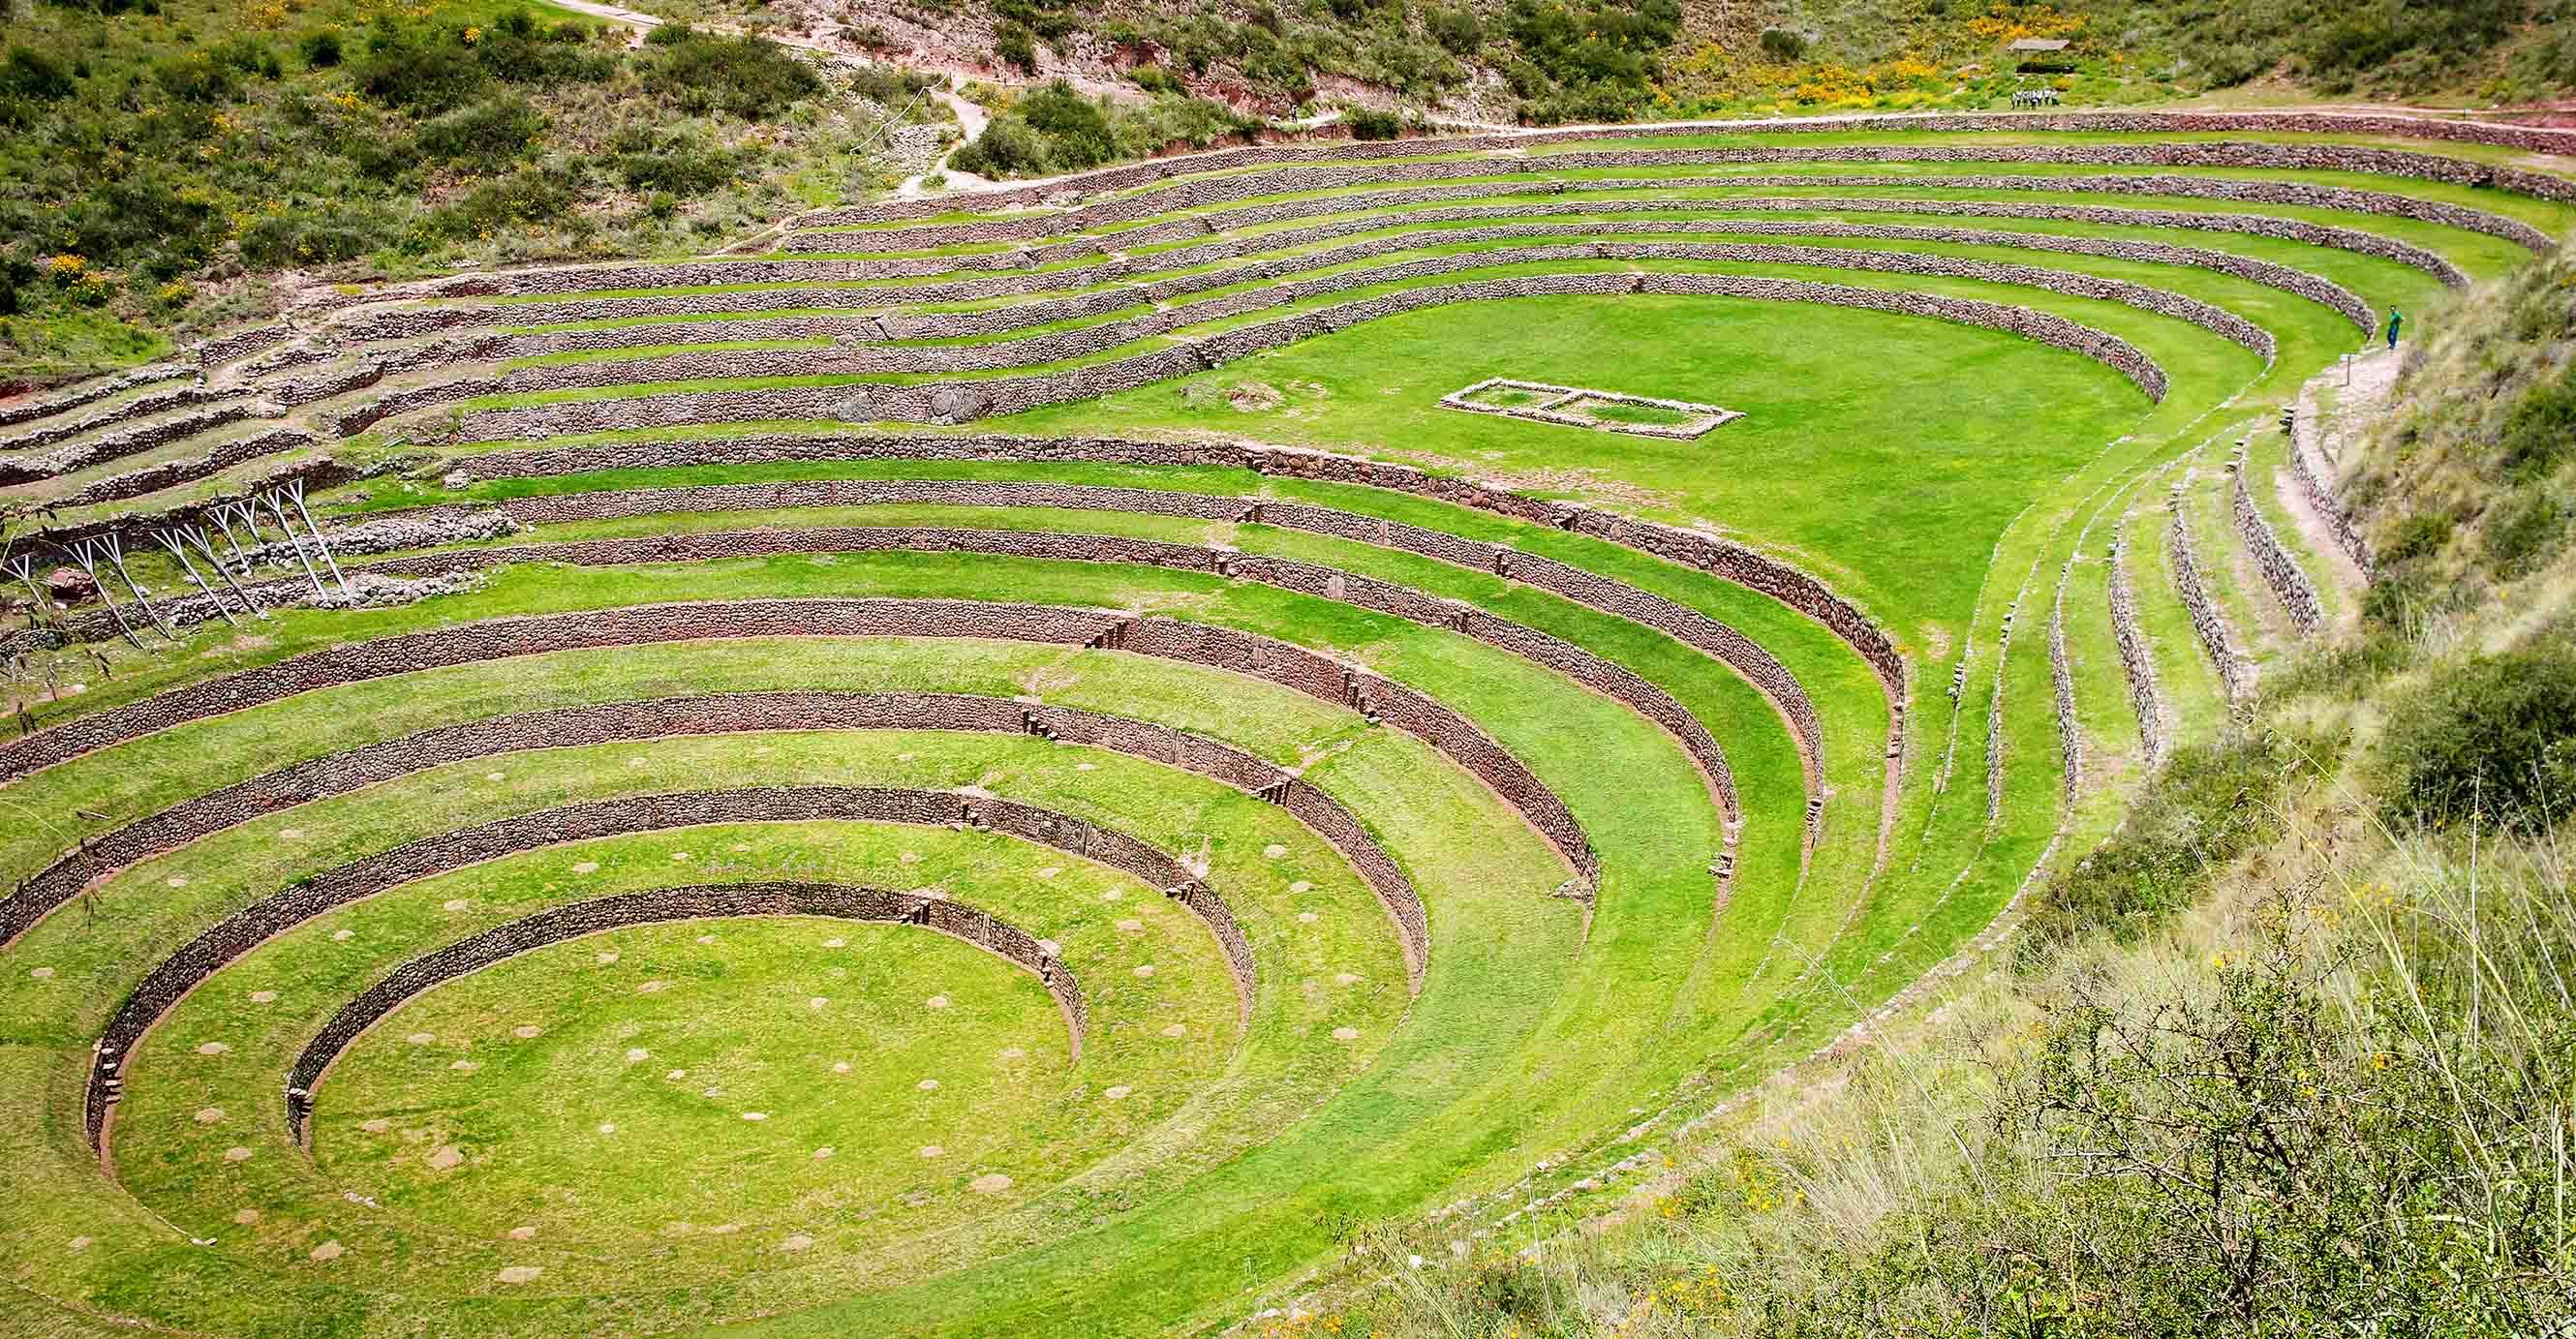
[[1963, 486]]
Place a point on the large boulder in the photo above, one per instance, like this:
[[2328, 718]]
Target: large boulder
[[70, 584]]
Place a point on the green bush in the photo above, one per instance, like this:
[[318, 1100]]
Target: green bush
[[1458, 29], [1782, 45], [2525, 530], [484, 135], [2537, 433], [680, 168], [29, 73], [197, 79], [275, 241], [529, 195], [1370, 123], [418, 72], [749, 77], [2210, 804], [2421, 535], [1016, 46], [2494, 741], [319, 50]]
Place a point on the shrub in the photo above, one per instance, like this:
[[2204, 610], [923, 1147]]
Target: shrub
[[682, 168], [1458, 29], [530, 195], [311, 238], [484, 135], [247, 55], [2210, 804], [749, 77], [2494, 741], [1782, 45], [197, 79], [1370, 123], [425, 75], [1016, 46], [29, 73], [2525, 530], [319, 50], [2536, 434], [2418, 536]]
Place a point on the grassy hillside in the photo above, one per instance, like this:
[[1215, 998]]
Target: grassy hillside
[[164, 162]]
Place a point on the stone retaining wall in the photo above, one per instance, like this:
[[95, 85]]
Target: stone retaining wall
[[501, 638], [2137, 661], [840, 901], [860, 325], [2301, 123], [2313, 480], [1688, 626], [29, 408], [1175, 198], [1060, 345], [2235, 674], [2272, 558], [1363, 592], [117, 444], [2061, 677], [1394, 208], [141, 406], [961, 401], [171, 473], [1721, 558], [170, 981], [722, 713]]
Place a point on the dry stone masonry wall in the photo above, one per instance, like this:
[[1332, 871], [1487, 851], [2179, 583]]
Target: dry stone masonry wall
[[495, 639], [2296, 123], [840, 901], [2137, 661], [1721, 558], [961, 401], [2271, 557], [2235, 672], [358, 880], [722, 713]]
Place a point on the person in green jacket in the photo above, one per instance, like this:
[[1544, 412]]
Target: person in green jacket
[[2396, 318]]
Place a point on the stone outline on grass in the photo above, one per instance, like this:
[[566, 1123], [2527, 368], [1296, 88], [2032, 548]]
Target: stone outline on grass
[[1699, 419]]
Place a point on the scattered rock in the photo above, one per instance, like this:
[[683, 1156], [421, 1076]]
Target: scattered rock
[[990, 1183], [213, 1048], [377, 1126], [1274, 850], [1177, 1030], [1145, 971], [445, 1157], [1132, 926], [796, 1243], [246, 1217], [236, 1154], [41, 973], [209, 1115], [1117, 1093], [522, 1233], [519, 1274], [936, 1002], [1346, 1034], [928, 1085], [527, 1031], [420, 1038], [933, 1151], [329, 1250]]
